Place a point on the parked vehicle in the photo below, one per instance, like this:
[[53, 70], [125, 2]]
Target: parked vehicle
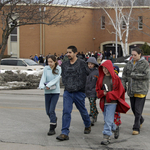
[[147, 57], [20, 64]]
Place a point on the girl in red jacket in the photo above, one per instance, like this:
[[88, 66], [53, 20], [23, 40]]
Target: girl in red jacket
[[112, 98]]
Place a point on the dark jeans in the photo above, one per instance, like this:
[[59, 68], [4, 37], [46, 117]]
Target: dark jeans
[[50, 104], [68, 99], [137, 105]]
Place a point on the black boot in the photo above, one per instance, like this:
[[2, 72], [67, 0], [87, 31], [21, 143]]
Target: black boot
[[116, 133], [52, 129]]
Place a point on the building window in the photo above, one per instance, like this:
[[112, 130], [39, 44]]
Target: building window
[[123, 24], [13, 35], [103, 22], [140, 22]]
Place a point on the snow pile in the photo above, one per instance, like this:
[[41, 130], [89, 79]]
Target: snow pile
[[20, 79], [12, 85], [15, 79]]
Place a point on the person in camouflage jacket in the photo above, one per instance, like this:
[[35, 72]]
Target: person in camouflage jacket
[[136, 76]]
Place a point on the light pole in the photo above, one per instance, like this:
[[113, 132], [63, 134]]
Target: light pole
[[116, 30]]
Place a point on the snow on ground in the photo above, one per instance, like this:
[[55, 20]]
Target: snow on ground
[[24, 71], [15, 84], [30, 82], [120, 72]]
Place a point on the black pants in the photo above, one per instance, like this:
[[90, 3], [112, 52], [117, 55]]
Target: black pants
[[137, 105]]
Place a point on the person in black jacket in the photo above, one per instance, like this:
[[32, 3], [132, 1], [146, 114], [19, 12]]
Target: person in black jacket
[[41, 59], [90, 90], [74, 73]]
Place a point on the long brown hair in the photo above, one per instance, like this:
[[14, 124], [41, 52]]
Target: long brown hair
[[56, 63]]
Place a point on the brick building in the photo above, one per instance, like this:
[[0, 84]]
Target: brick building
[[89, 34]]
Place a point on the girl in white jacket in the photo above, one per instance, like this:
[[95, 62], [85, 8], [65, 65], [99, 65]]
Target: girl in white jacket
[[50, 82]]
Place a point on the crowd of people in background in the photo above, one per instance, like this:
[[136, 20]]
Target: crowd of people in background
[[99, 56]]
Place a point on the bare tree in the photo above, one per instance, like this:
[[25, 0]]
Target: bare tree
[[123, 17], [122, 23], [15, 13]]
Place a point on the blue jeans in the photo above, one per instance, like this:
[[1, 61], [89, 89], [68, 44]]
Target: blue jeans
[[50, 104], [109, 112], [68, 99]]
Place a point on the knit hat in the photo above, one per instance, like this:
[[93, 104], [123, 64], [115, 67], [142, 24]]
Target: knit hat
[[116, 69]]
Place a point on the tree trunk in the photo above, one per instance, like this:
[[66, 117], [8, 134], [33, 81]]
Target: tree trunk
[[3, 47]]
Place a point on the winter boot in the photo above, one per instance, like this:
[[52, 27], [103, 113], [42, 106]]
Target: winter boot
[[52, 129], [62, 137], [87, 130], [106, 140], [116, 133]]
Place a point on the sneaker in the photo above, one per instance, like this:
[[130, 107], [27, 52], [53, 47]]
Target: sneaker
[[62, 137], [135, 132], [106, 140], [87, 130], [116, 133]]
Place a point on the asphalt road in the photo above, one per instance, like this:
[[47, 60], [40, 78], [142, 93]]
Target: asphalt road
[[24, 126]]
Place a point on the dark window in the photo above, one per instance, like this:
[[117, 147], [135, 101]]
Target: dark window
[[30, 62], [12, 62], [13, 34], [140, 22], [13, 38], [103, 22], [14, 31], [4, 62], [9, 62], [21, 63], [123, 24]]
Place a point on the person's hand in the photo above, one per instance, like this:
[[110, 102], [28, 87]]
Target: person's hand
[[47, 88], [105, 93]]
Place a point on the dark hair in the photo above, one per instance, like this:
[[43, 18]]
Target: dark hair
[[58, 58], [138, 50], [56, 63], [73, 48]]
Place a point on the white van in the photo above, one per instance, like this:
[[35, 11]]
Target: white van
[[20, 64]]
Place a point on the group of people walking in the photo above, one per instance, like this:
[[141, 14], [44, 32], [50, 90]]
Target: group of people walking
[[89, 79]]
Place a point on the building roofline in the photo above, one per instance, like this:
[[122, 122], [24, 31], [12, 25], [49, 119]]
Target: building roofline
[[86, 7]]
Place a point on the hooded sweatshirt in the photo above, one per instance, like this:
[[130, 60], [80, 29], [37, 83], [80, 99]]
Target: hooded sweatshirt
[[117, 93], [90, 87]]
